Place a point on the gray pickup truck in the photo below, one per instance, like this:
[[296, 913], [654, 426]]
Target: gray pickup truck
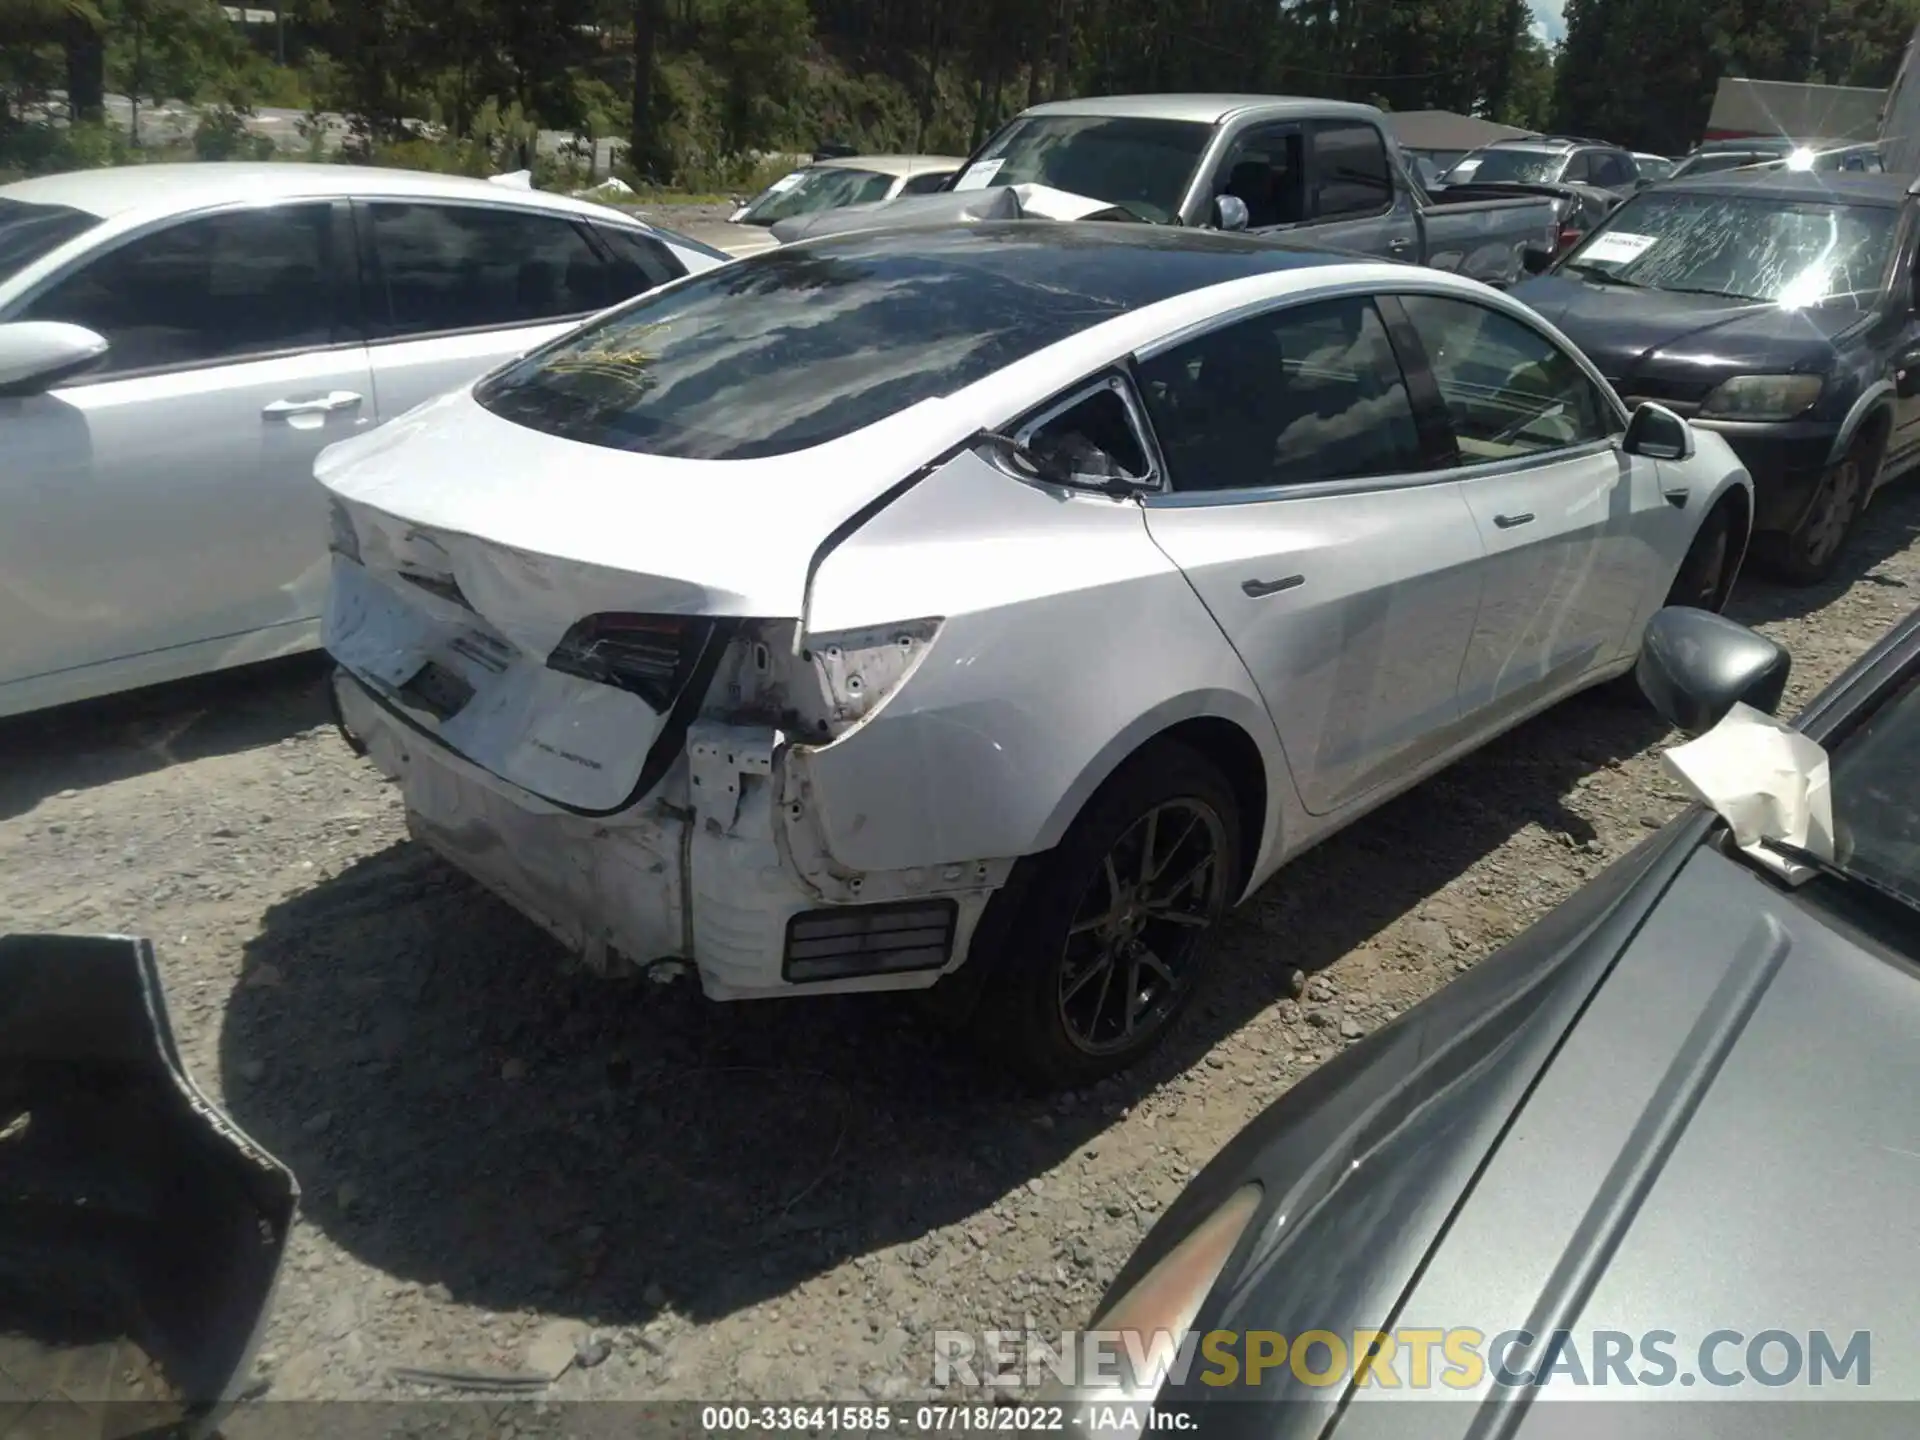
[[1305, 171]]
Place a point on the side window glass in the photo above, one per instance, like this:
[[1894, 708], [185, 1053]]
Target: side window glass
[[926, 182], [206, 291], [467, 267], [1092, 439], [640, 262], [1308, 393], [1577, 172], [1508, 389], [1350, 174], [1267, 175]]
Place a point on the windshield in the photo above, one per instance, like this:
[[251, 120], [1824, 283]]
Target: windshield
[[1746, 247], [28, 232], [1509, 167], [1145, 165], [825, 187], [1874, 778], [796, 347]]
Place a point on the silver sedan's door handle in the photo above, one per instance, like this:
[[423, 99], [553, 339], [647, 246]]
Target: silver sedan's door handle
[[1399, 244], [1508, 522], [317, 405], [1256, 589]]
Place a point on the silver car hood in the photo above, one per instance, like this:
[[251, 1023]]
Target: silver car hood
[[1684, 1103]]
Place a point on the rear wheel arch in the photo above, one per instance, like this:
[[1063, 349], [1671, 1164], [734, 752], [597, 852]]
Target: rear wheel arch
[[1223, 739]]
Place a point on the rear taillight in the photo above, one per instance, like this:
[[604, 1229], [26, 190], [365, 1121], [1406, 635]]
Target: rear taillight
[[651, 656], [1570, 236]]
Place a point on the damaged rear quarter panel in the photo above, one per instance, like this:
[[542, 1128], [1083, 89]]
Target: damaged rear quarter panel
[[1069, 640]]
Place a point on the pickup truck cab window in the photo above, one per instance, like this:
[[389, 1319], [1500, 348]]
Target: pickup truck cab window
[[1266, 172], [1308, 393], [1351, 176], [1508, 390], [204, 291]]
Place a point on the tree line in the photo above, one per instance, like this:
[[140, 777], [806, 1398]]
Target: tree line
[[699, 88]]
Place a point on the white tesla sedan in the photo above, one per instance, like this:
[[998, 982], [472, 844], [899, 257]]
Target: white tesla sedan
[[177, 344], [989, 606]]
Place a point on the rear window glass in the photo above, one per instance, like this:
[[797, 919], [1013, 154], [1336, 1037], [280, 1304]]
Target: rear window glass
[[796, 347], [28, 232]]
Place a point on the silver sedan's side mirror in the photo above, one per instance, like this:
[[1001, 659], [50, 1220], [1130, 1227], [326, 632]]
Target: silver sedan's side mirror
[[36, 355], [1229, 212]]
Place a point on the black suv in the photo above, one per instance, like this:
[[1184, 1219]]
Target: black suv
[[1777, 308], [1548, 160]]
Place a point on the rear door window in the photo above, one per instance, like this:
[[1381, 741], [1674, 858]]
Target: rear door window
[[926, 182], [1309, 393], [1350, 174], [439, 267], [639, 263], [206, 291]]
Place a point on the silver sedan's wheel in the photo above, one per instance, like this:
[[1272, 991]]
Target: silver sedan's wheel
[[1106, 934], [1128, 959]]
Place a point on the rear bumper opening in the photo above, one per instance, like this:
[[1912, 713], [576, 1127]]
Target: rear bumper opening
[[701, 871]]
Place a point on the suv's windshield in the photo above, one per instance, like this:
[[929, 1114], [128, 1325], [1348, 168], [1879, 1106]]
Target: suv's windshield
[[1508, 167], [28, 232], [1145, 165], [824, 187], [1745, 247]]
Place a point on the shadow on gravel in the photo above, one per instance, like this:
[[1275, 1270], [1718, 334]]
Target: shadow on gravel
[[1891, 525], [97, 742], [460, 1111]]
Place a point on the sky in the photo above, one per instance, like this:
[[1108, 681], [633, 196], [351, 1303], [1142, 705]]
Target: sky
[[1549, 21]]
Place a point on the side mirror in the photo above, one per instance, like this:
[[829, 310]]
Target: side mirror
[[36, 355], [1535, 261], [1229, 212], [1695, 666], [1659, 434]]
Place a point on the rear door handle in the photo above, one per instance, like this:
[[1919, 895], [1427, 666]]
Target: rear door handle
[[1399, 245], [1258, 589], [1678, 497], [1508, 522], [315, 405]]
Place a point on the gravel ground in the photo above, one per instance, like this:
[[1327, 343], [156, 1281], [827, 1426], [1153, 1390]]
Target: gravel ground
[[507, 1165]]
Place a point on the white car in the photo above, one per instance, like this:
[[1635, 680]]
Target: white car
[[177, 344], [832, 184], [990, 605]]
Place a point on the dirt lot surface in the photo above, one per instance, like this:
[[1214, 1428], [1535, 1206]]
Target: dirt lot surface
[[507, 1165]]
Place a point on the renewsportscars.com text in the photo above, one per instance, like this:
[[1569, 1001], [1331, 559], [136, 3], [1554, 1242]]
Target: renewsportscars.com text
[[1460, 1359]]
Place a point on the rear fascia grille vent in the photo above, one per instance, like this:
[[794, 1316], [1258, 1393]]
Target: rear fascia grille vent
[[853, 940]]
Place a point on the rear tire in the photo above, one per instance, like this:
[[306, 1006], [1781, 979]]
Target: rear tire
[[1108, 942], [1812, 551]]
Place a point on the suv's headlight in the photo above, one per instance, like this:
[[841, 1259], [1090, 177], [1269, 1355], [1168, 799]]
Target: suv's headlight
[[1149, 1323], [1762, 397]]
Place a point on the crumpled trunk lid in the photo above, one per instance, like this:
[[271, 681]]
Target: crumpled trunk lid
[[472, 553], [141, 1232]]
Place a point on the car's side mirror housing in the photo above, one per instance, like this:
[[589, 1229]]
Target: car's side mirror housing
[[36, 355], [1659, 434], [1229, 212], [1535, 261], [1695, 666]]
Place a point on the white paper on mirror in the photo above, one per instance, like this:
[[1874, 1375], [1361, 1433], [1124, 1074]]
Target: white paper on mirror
[[1766, 781]]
